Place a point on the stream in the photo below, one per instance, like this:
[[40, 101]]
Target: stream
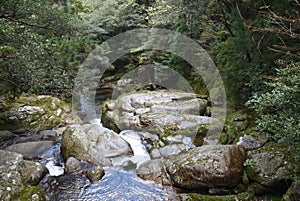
[[117, 184]]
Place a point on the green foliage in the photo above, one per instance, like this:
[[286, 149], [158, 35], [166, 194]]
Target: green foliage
[[39, 48], [111, 17], [279, 109], [258, 38]]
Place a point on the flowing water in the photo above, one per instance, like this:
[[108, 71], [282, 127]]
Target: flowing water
[[116, 185]]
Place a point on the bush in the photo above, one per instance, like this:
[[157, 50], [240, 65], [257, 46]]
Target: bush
[[279, 109]]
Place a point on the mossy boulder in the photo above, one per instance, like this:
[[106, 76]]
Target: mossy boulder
[[17, 174], [35, 113], [75, 143], [236, 125], [269, 167], [209, 166], [95, 174], [33, 193], [199, 197]]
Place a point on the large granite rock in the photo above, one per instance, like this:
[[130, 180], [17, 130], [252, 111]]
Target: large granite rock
[[269, 166], [93, 143], [219, 166], [161, 112], [35, 113], [16, 174]]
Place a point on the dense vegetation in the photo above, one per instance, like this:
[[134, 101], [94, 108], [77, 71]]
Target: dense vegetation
[[254, 43]]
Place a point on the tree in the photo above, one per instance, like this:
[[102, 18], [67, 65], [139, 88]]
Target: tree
[[261, 32], [35, 45]]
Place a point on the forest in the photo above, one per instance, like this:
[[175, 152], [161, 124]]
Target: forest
[[255, 45]]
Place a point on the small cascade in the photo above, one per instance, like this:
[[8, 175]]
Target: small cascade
[[140, 154], [53, 161]]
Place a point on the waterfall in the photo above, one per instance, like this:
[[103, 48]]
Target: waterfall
[[140, 154]]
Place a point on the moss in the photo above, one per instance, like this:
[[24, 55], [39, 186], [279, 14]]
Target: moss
[[170, 130], [32, 193], [73, 147], [223, 138], [106, 120], [202, 130], [240, 197], [236, 125], [252, 171], [39, 121]]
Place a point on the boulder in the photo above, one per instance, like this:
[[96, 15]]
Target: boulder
[[253, 141], [173, 149], [35, 113], [155, 153], [199, 197], [268, 166], [4, 135], [31, 150], [154, 170], [160, 112], [106, 142], [16, 174], [95, 174], [218, 166], [92, 143], [72, 165]]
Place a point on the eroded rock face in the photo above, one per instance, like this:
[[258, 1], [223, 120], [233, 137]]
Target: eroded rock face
[[159, 112], [16, 174], [35, 113], [94, 143], [268, 165], [218, 166]]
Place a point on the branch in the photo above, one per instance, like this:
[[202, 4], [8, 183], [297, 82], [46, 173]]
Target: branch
[[283, 52], [284, 19], [25, 23], [274, 30]]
